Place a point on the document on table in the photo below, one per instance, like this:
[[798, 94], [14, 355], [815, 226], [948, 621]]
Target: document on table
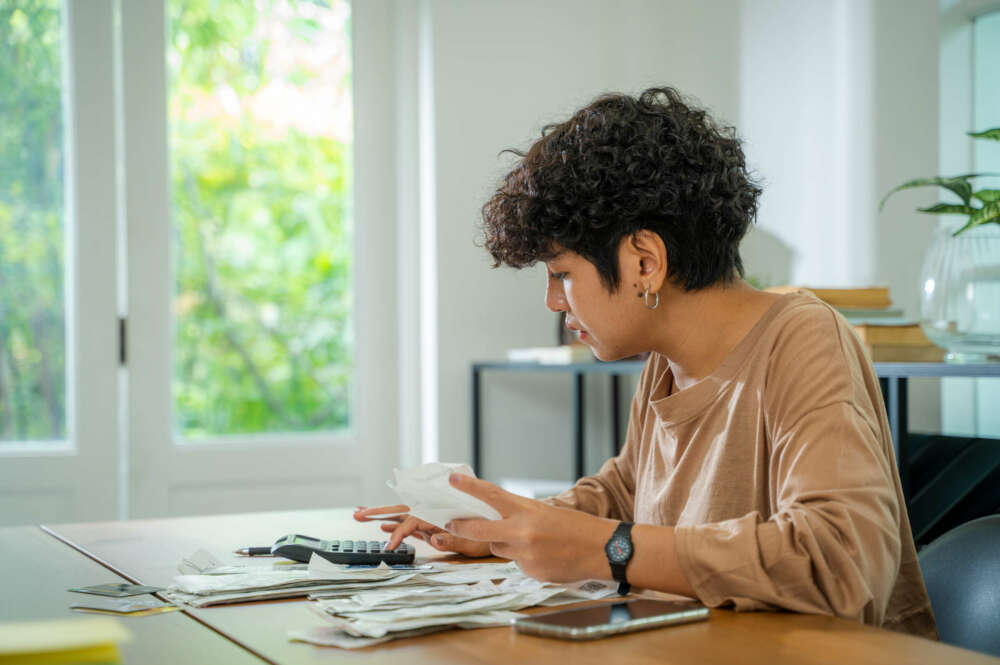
[[220, 584], [372, 616], [368, 605]]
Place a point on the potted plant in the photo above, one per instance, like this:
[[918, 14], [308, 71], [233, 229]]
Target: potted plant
[[960, 278]]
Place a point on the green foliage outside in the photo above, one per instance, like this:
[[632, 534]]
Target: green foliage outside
[[262, 253], [32, 338], [261, 220]]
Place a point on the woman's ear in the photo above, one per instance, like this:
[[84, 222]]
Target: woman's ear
[[647, 254]]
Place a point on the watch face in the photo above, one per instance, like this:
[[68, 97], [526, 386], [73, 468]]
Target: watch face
[[619, 549]]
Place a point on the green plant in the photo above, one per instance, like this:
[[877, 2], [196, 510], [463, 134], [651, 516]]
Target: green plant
[[986, 213]]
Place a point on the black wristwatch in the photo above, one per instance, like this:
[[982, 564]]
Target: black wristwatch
[[619, 550]]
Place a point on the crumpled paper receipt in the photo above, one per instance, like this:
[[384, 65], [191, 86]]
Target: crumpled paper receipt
[[426, 490]]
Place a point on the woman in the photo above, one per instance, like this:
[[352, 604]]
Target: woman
[[758, 469]]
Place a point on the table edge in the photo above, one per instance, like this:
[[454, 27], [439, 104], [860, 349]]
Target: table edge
[[132, 580]]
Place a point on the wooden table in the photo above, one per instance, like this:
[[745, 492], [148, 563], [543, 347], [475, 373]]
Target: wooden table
[[148, 552], [37, 571]]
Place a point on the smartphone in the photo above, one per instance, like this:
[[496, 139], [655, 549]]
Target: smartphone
[[588, 623]]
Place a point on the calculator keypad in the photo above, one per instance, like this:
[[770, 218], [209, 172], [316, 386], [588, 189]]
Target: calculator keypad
[[366, 552]]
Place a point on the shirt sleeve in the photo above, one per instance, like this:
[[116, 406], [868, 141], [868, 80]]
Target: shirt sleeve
[[831, 544], [611, 492]]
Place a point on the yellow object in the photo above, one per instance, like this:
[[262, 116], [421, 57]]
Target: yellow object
[[61, 641]]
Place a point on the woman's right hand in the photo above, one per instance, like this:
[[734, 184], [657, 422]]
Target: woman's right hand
[[402, 525]]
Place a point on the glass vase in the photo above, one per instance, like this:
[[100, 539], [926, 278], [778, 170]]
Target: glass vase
[[960, 299]]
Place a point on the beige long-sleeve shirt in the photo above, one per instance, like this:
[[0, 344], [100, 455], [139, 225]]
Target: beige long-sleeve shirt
[[778, 473]]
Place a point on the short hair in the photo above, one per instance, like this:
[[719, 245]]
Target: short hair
[[620, 165]]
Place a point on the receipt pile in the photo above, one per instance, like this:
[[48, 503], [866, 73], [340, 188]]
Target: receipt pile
[[207, 581], [451, 596], [363, 606]]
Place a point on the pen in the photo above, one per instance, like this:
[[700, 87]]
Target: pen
[[254, 551]]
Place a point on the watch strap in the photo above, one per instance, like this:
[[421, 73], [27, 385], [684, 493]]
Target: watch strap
[[624, 530]]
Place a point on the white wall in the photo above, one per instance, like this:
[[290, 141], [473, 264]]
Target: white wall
[[832, 97], [805, 90], [501, 71], [835, 99]]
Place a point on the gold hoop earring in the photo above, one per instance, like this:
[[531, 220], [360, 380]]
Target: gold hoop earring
[[645, 297]]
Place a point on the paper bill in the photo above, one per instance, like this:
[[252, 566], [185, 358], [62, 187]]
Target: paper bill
[[426, 490], [319, 572], [410, 596], [470, 573], [582, 590], [204, 562], [331, 636], [446, 596], [320, 568], [218, 585], [364, 628], [494, 602], [193, 600]]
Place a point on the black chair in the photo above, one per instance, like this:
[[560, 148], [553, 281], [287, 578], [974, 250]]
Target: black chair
[[962, 572]]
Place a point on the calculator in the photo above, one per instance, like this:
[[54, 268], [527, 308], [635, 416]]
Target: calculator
[[371, 552]]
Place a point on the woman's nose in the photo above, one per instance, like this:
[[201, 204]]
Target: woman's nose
[[555, 299]]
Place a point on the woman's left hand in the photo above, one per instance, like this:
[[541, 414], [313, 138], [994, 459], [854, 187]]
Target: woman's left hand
[[548, 543]]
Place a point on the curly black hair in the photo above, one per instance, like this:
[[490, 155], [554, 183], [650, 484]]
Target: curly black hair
[[620, 165]]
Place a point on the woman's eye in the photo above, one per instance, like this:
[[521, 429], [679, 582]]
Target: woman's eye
[[558, 275]]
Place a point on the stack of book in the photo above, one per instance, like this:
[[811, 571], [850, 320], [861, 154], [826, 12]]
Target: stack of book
[[898, 343], [887, 334]]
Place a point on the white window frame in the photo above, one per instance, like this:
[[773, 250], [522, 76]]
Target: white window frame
[[275, 470], [80, 478], [960, 397], [121, 459]]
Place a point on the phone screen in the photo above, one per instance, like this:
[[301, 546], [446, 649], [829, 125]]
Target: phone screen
[[615, 613]]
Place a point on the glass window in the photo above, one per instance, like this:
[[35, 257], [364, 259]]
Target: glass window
[[986, 159], [32, 312], [986, 91], [260, 156]]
